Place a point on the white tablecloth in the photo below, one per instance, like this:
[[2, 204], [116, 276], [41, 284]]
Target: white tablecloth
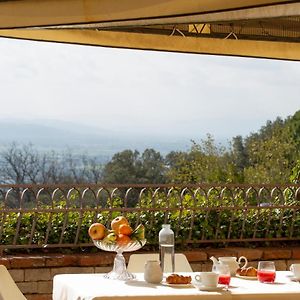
[[96, 287]]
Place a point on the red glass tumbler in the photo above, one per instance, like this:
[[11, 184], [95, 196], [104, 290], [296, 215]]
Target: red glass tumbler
[[266, 272]]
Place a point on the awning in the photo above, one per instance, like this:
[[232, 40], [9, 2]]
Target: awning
[[266, 29]]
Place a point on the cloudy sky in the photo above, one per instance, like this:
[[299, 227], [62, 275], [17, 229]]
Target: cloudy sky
[[141, 91]]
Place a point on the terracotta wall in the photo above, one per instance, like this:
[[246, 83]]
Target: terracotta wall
[[34, 274]]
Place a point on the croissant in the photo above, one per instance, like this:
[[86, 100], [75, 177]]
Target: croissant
[[250, 271], [178, 279]]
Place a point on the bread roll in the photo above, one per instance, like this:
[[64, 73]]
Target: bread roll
[[250, 271], [178, 279]]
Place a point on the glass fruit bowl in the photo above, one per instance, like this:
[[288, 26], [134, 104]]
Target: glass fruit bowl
[[119, 270]]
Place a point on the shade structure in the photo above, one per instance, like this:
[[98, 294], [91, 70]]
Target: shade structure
[[265, 29]]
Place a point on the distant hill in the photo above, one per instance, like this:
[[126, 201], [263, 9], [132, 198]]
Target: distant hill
[[59, 136]]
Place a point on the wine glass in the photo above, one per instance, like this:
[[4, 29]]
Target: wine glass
[[224, 274], [266, 272]]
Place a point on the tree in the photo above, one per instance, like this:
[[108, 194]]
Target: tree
[[124, 167], [152, 167], [51, 169], [92, 169], [130, 167], [203, 163], [295, 174], [271, 154], [293, 124], [22, 164], [19, 164], [239, 154]]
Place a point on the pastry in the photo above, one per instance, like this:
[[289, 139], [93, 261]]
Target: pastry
[[250, 271], [178, 279]]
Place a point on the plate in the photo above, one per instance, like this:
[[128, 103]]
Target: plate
[[246, 277], [210, 288], [295, 278], [178, 285]]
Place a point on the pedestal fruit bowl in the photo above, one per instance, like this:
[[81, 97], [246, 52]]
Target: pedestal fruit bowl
[[121, 238]]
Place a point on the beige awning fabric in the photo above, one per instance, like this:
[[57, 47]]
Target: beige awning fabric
[[28, 13], [266, 29]]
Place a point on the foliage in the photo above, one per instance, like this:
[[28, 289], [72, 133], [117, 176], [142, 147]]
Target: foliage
[[195, 216], [271, 153], [266, 156], [130, 167], [22, 164], [295, 176], [204, 163], [293, 124]]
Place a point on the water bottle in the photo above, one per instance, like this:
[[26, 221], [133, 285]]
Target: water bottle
[[166, 249]]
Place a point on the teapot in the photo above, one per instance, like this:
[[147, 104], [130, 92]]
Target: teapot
[[231, 261]]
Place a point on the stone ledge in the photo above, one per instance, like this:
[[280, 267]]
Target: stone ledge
[[4, 261], [39, 297], [196, 255], [220, 252], [26, 261], [296, 253], [269, 254], [250, 254], [61, 260], [104, 259], [40, 274]]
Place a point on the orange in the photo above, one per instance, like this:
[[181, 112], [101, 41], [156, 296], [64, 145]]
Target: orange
[[125, 229], [123, 240]]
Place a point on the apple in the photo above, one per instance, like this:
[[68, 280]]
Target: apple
[[117, 222], [97, 231]]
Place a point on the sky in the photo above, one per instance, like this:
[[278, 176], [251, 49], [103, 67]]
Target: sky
[[144, 92]]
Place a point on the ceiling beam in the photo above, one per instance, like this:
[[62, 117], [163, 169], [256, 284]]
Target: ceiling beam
[[245, 48]]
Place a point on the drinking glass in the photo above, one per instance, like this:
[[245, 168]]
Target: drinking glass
[[224, 274], [266, 271]]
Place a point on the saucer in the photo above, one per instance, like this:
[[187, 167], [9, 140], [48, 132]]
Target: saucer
[[178, 285], [293, 278], [210, 288]]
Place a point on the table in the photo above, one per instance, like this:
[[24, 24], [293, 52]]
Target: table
[[96, 287]]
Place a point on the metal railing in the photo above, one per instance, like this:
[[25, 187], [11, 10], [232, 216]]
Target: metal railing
[[48, 216]]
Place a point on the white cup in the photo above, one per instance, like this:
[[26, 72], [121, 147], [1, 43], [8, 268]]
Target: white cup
[[295, 268], [208, 279]]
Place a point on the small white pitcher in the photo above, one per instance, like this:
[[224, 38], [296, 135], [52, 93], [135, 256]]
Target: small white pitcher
[[153, 272], [233, 263]]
